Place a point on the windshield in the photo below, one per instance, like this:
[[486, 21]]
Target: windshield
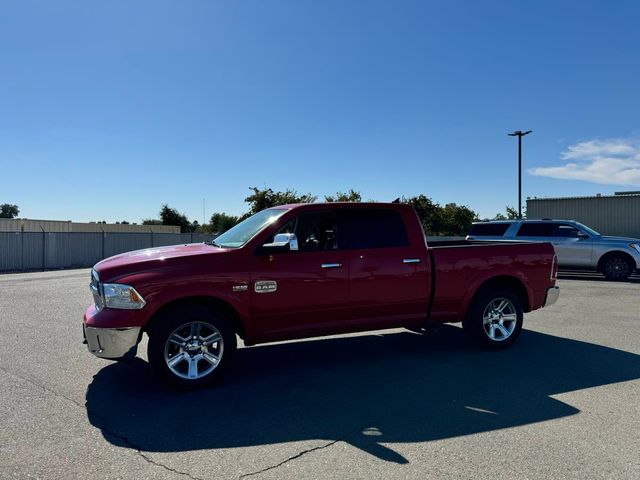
[[590, 231], [247, 229]]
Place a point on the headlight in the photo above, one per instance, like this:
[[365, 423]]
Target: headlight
[[95, 290], [635, 246], [125, 297]]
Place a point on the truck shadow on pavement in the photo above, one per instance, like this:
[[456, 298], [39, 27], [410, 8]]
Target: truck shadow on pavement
[[365, 390]]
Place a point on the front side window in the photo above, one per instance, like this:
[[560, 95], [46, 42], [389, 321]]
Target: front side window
[[590, 231], [315, 232], [374, 229], [566, 231], [247, 229], [535, 229]]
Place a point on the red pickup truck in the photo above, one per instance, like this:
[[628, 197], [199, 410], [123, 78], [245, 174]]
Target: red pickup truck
[[307, 270]]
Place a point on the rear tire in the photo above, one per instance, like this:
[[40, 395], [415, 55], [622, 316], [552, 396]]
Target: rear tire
[[494, 319], [617, 268], [191, 347]]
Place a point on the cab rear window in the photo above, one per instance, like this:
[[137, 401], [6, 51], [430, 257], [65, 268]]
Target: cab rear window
[[489, 229], [374, 229]]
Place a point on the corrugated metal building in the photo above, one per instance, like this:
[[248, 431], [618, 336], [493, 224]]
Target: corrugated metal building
[[27, 225], [617, 214]]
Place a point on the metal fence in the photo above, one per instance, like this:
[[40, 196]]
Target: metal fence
[[22, 251]]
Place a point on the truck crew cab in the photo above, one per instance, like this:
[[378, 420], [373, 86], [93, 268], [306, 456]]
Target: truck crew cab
[[306, 270]]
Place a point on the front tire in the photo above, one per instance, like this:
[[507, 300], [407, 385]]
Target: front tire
[[617, 268], [191, 347], [494, 319]]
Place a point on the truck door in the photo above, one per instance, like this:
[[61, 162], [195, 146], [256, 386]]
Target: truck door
[[389, 277], [573, 247], [304, 289]]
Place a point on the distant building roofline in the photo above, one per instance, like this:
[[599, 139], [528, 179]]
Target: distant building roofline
[[53, 226], [616, 195], [632, 192]]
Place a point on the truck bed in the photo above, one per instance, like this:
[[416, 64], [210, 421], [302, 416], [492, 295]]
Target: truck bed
[[461, 266]]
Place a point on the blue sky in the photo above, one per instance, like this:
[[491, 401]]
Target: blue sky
[[109, 109]]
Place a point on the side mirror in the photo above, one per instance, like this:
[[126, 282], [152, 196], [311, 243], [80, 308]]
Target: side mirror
[[582, 236], [283, 240]]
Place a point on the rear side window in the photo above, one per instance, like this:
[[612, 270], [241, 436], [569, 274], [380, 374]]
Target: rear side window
[[374, 229], [489, 229], [533, 229]]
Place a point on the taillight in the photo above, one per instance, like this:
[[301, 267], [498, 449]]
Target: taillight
[[554, 268]]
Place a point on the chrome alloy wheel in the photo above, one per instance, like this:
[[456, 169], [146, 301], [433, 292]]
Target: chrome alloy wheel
[[193, 350], [499, 319]]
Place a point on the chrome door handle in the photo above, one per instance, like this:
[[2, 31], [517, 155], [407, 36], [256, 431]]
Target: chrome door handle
[[411, 260], [331, 265]]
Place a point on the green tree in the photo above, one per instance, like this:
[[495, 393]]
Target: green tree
[[428, 212], [221, 222], [457, 219], [171, 216], [8, 210], [511, 214], [350, 196], [451, 219], [267, 198]]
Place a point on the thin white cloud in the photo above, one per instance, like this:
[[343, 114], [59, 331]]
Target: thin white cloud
[[610, 162]]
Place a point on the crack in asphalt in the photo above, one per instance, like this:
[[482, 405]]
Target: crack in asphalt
[[139, 451], [291, 458], [321, 447], [45, 389], [104, 426]]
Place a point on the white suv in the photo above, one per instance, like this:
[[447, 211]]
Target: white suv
[[577, 246]]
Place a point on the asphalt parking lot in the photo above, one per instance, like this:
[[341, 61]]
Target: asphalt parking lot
[[564, 402]]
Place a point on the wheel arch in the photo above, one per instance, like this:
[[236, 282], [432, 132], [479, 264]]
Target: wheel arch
[[510, 283], [202, 300], [605, 256]]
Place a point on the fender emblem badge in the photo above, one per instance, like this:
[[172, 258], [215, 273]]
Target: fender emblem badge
[[243, 287], [265, 286]]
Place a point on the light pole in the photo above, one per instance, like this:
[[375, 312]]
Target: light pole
[[519, 134]]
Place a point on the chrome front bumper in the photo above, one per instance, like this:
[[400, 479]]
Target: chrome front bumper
[[552, 296], [111, 343]]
